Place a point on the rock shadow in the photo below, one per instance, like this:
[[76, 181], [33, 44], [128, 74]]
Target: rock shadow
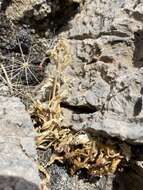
[[5, 4], [16, 183], [138, 53], [130, 179], [55, 21], [138, 106]]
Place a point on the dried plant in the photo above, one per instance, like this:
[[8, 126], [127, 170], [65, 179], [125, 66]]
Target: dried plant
[[18, 74], [99, 156]]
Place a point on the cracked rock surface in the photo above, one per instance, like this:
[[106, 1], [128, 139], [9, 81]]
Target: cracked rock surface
[[103, 82], [106, 74], [18, 165]]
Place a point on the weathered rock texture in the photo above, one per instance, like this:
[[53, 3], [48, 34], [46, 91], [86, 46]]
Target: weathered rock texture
[[17, 10], [18, 165], [106, 74], [104, 81], [15, 183]]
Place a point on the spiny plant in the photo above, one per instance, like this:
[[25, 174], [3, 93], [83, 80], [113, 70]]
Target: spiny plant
[[20, 74]]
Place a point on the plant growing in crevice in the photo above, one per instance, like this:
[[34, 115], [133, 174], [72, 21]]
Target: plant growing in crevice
[[99, 156]]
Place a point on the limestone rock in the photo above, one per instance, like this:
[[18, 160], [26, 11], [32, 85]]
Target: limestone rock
[[106, 76], [18, 152], [63, 181], [9, 182], [16, 10], [34, 9]]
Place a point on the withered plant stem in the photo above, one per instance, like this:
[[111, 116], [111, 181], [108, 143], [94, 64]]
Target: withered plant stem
[[7, 78]]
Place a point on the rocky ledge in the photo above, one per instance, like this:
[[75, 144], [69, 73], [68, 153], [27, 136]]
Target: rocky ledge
[[100, 47], [18, 157]]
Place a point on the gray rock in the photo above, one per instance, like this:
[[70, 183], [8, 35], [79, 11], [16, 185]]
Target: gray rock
[[4, 91], [122, 111], [10, 183], [63, 181], [38, 9], [17, 146], [106, 76]]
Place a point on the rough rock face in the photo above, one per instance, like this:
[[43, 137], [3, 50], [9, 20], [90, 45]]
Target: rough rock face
[[104, 81], [71, 183], [38, 9], [18, 165], [15, 183], [106, 75]]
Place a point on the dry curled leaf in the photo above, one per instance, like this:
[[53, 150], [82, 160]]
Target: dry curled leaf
[[99, 156]]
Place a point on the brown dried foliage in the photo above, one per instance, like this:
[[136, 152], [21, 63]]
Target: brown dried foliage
[[98, 155]]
